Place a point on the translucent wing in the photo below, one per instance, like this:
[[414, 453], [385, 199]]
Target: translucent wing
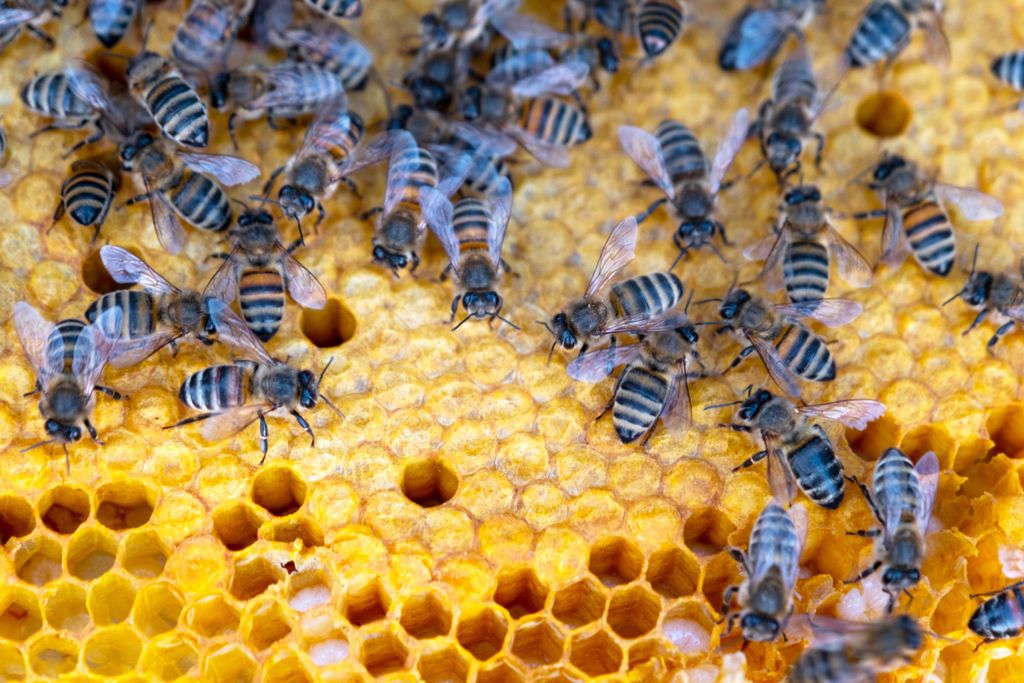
[[224, 283], [831, 312], [774, 248], [303, 286], [34, 333], [379, 148], [643, 324], [230, 422], [762, 249], [127, 268], [853, 267], [855, 413], [453, 175], [894, 247], [288, 89], [973, 204], [677, 413], [645, 150], [88, 87], [780, 478], [233, 330], [165, 221], [507, 71], [728, 149], [492, 142], [560, 79], [755, 36], [328, 129], [94, 347], [438, 212], [397, 168], [225, 168], [128, 352], [782, 375], [928, 477], [593, 366], [9, 18], [1014, 312], [524, 31], [555, 156], [798, 515], [500, 201], [619, 249]]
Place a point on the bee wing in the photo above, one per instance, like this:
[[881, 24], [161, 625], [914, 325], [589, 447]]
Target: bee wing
[[645, 151], [330, 124], [798, 515], [453, 175], [128, 352], [525, 31], [728, 149], [555, 156], [974, 204], [928, 476], [438, 212], [505, 73], [224, 283], [493, 143], [772, 248], [854, 268], [644, 324], [1014, 312], [755, 36], [381, 147], [233, 330], [127, 268], [86, 85], [894, 246], [831, 312], [677, 413], [94, 347], [783, 376], [165, 221], [34, 334], [593, 366], [232, 421], [500, 200], [560, 79], [304, 288], [618, 250], [224, 167], [855, 413], [286, 86], [9, 18], [780, 477]]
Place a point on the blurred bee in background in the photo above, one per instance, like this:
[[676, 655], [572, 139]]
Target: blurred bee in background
[[337, 9], [884, 29], [30, 15], [6, 178], [486, 152], [771, 564], [86, 195], [760, 29], [1009, 68], [848, 652], [659, 24], [997, 295], [801, 450], [468, 25], [258, 270], [68, 359], [510, 64], [232, 397], [901, 497], [674, 161], [110, 19], [801, 248], [176, 183], [207, 32], [619, 16], [435, 78], [915, 216], [1001, 616]]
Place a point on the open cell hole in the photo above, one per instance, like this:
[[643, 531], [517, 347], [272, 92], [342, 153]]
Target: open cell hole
[[287, 668], [383, 653], [330, 326], [212, 615], [236, 525], [443, 666], [1005, 427], [633, 611], [331, 650], [429, 483], [366, 603], [253, 576], [884, 114], [157, 608], [228, 664], [673, 572], [144, 554], [91, 553], [20, 615], [12, 663], [279, 491], [53, 655], [645, 651], [111, 599], [308, 590], [64, 509], [301, 528], [16, 518], [537, 643], [38, 561], [64, 604], [688, 628], [706, 531], [500, 672], [520, 592], [123, 505], [579, 604], [596, 654], [615, 561], [483, 633], [426, 616], [269, 624], [720, 572], [170, 657], [96, 276], [112, 651]]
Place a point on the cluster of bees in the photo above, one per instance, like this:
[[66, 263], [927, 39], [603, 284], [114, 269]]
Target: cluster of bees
[[453, 137]]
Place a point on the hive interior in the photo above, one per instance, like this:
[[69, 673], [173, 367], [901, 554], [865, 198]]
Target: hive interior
[[468, 519]]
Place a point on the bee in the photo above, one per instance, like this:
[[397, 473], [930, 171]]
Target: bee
[[257, 271], [853, 652], [788, 349], [915, 216], [87, 194], [802, 245], [30, 15], [659, 23], [467, 25], [1009, 68], [435, 77], [631, 305], [510, 64], [901, 498], [177, 183], [998, 295], [1001, 615], [599, 53], [68, 359], [472, 233], [206, 33], [337, 9], [110, 19], [758, 32], [771, 564], [673, 159], [232, 397], [485, 151], [883, 31], [618, 16], [334, 49]]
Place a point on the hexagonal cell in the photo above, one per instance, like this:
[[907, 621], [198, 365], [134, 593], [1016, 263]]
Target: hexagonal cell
[[330, 326], [884, 114], [124, 504], [482, 633], [252, 576], [298, 527], [64, 604], [384, 652], [91, 553], [443, 666], [278, 490], [20, 615], [53, 655], [38, 561], [426, 615], [211, 616], [688, 627], [169, 657], [706, 531], [144, 554], [268, 624], [236, 525], [111, 599], [615, 561], [429, 483], [12, 663], [286, 667], [157, 609], [538, 642], [633, 611], [112, 651], [64, 509], [579, 604], [673, 572], [595, 654], [366, 603], [646, 650], [16, 518], [520, 592], [500, 672], [308, 590], [331, 650], [228, 664]]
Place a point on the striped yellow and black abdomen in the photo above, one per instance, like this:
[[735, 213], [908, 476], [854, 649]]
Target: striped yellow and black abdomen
[[470, 222], [639, 398], [87, 195], [659, 23], [1009, 68], [349, 60], [261, 298], [930, 235], [202, 38], [882, 33], [415, 168], [178, 110], [806, 354], [61, 344], [680, 150], [200, 201], [50, 95], [646, 295], [896, 480], [215, 389], [110, 19], [554, 121], [824, 665], [1001, 616], [345, 141], [805, 269], [817, 469], [138, 312], [774, 537]]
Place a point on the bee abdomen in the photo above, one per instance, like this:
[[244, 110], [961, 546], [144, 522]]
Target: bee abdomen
[[554, 121], [638, 401], [794, 81], [659, 24], [774, 535], [50, 95], [261, 299], [818, 471], [470, 222], [87, 196], [110, 19], [806, 355], [896, 480], [646, 295], [931, 236], [883, 31], [821, 665], [1009, 68], [1001, 616], [137, 312], [805, 270], [416, 168], [681, 151], [200, 39], [61, 344], [202, 202], [179, 112], [214, 389]]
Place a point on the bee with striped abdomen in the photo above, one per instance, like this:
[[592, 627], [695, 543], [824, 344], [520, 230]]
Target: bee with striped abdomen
[[176, 183], [258, 270], [510, 63], [110, 19], [30, 15], [68, 359], [87, 194], [207, 32], [996, 295], [618, 16], [849, 652], [801, 451], [337, 9], [771, 564], [760, 29], [486, 153], [673, 159], [232, 397], [1009, 68], [915, 216], [901, 497], [884, 30], [659, 23], [1001, 615]]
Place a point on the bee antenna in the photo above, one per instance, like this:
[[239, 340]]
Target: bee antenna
[[240, 203], [679, 257], [508, 322], [723, 405], [974, 259], [37, 445], [757, 167], [331, 405], [552, 351], [705, 301], [463, 322], [145, 35], [689, 300], [749, 390], [324, 371]]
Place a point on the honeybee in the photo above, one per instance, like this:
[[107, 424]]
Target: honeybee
[[998, 295], [771, 564], [915, 216], [659, 23], [1001, 615], [207, 32], [466, 25], [87, 194], [30, 15], [68, 359], [331, 47], [257, 271], [760, 29], [883, 31], [801, 247], [901, 498], [435, 77], [151, 318], [801, 450], [338, 9], [1009, 68], [234, 396], [852, 652], [486, 169], [619, 16], [631, 305], [110, 19], [673, 159], [176, 184]]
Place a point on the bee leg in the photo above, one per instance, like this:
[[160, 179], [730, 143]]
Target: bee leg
[[221, 255], [740, 557], [735, 427], [863, 215], [415, 263], [264, 438], [455, 307], [232, 119], [136, 199], [190, 420], [870, 500], [351, 185], [95, 137], [739, 357], [872, 568], [752, 460], [372, 212], [821, 148], [1003, 329], [977, 321], [865, 533], [305, 425], [320, 213], [92, 433], [270, 182], [116, 395], [41, 35], [726, 601], [650, 209], [720, 229]]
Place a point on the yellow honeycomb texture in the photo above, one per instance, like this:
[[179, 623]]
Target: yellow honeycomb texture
[[468, 520]]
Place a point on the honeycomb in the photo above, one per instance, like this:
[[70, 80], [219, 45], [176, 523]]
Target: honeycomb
[[468, 519]]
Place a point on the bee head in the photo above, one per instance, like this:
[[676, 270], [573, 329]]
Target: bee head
[[783, 150], [432, 30], [427, 93], [908, 636], [399, 119], [887, 166], [130, 150], [732, 303], [470, 102], [219, 90], [977, 289], [759, 627], [559, 328], [608, 54], [253, 216], [309, 391], [897, 579], [482, 304], [801, 194], [294, 202], [689, 333], [63, 433], [752, 405]]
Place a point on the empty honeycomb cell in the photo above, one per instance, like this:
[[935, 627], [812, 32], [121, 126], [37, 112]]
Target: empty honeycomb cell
[[65, 607], [252, 576], [212, 616], [63, 509], [646, 650], [579, 604], [20, 615], [236, 525], [157, 608], [633, 611], [538, 642], [482, 633], [673, 572], [884, 114], [595, 654], [426, 615], [330, 326], [38, 560], [169, 657], [688, 627], [286, 667], [144, 554], [91, 553], [228, 664], [383, 652], [308, 590], [16, 518], [53, 655], [95, 275], [615, 561], [500, 672], [266, 624], [110, 599], [278, 490], [366, 603], [299, 527], [112, 651], [1005, 426], [706, 531], [520, 591], [124, 504], [12, 662], [429, 483], [445, 665]]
